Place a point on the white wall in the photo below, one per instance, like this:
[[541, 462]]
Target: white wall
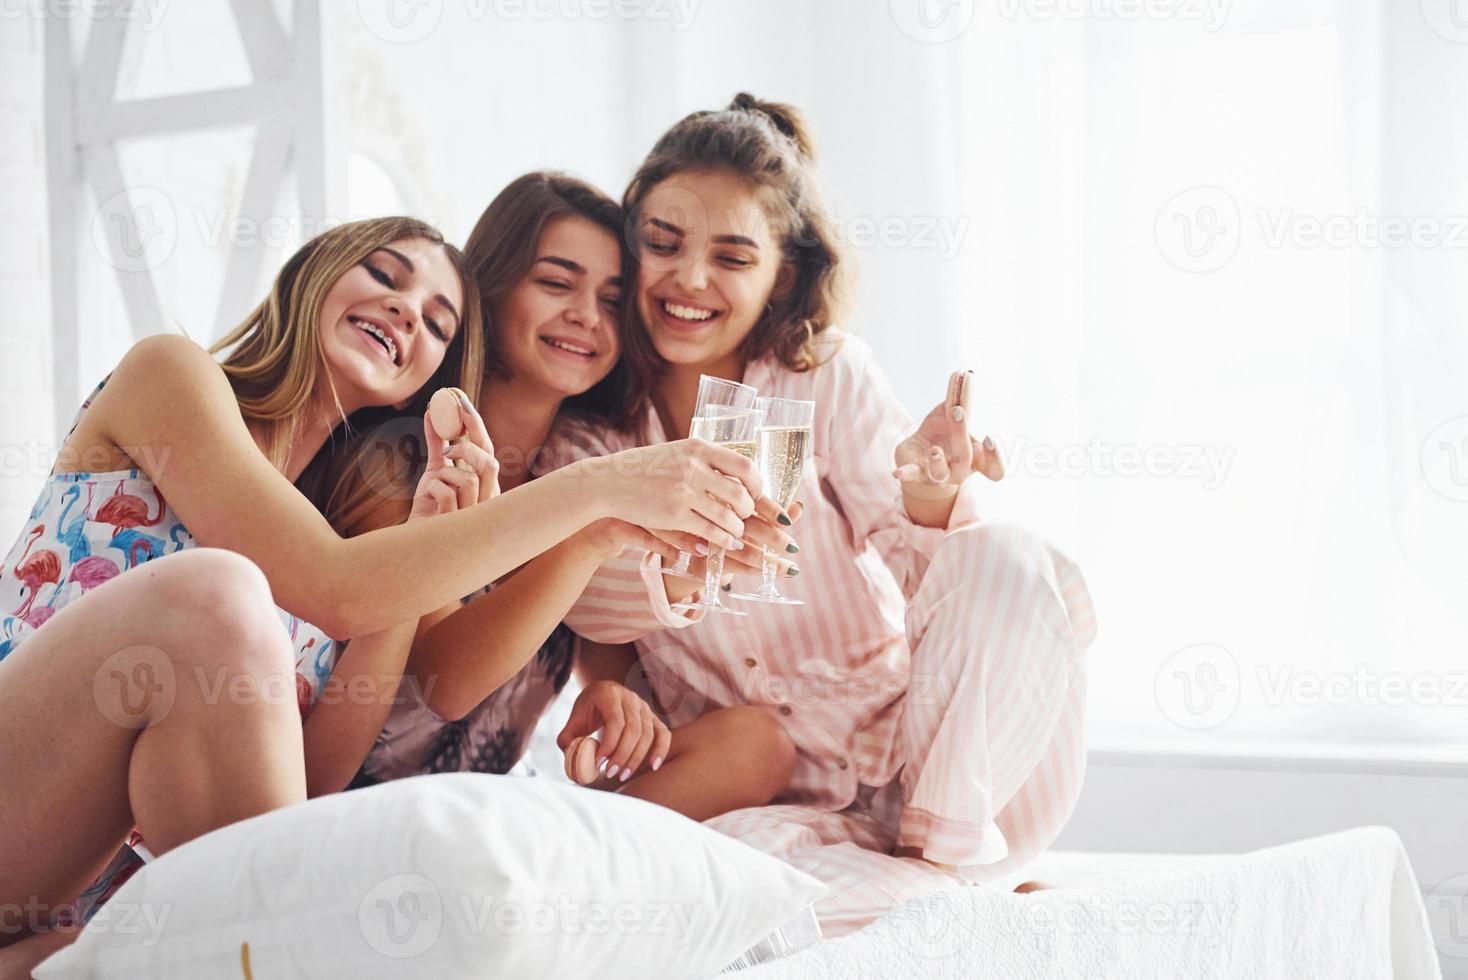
[[25, 351]]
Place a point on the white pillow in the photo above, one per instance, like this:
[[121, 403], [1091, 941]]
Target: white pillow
[[454, 875]]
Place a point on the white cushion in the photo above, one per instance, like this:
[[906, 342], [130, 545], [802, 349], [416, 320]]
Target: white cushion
[[455, 875]]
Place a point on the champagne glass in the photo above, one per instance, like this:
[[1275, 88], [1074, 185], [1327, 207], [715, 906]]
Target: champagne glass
[[712, 393], [782, 446], [735, 428]]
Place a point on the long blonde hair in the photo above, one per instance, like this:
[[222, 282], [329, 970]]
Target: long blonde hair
[[276, 362]]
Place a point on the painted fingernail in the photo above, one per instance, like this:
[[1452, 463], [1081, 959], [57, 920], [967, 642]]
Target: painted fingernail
[[657, 763], [784, 519], [612, 771], [794, 571], [988, 443], [792, 547], [626, 774], [467, 405], [728, 588], [701, 549]]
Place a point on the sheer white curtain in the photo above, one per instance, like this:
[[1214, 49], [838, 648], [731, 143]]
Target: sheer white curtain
[[1216, 298], [1205, 256]]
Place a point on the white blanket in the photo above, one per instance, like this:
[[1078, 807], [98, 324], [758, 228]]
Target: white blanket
[[1342, 906]]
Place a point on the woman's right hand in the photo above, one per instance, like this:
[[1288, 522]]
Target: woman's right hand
[[444, 487], [690, 485]]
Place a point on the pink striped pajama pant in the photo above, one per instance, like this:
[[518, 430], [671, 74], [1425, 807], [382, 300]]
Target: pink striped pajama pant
[[989, 735]]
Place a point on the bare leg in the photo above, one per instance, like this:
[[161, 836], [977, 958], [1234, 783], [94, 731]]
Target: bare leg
[[728, 759], [150, 701]]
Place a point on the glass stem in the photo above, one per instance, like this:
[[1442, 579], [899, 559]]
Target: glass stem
[[767, 574], [713, 572]]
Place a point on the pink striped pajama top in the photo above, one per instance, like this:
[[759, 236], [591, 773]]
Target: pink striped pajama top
[[863, 676]]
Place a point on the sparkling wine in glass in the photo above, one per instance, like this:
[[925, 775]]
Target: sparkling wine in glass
[[782, 447], [736, 429], [713, 393]]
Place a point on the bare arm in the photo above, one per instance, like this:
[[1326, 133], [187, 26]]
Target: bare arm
[[172, 410], [467, 655], [353, 706]]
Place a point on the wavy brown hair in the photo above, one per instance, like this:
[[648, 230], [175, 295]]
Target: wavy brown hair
[[769, 145], [500, 252], [275, 363]]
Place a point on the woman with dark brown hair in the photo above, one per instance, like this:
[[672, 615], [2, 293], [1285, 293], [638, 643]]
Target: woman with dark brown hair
[[933, 681], [148, 683], [547, 259]]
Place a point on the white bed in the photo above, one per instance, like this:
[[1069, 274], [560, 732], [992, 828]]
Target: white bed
[[1338, 907]]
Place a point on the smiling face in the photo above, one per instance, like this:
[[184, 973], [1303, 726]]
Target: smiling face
[[387, 322], [709, 262], [557, 327]]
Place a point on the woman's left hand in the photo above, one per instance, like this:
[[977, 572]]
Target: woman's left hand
[[934, 461]]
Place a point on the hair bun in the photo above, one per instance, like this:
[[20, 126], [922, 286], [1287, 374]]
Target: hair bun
[[785, 118]]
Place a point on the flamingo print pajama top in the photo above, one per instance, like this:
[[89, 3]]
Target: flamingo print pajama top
[[85, 530]]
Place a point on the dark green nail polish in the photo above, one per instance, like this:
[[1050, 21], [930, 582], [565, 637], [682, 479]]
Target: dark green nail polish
[[784, 519], [728, 588], [792, 547], [793, 571]]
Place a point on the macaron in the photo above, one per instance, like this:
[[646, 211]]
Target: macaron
[[957, 385], [581, 764], [445, 414]]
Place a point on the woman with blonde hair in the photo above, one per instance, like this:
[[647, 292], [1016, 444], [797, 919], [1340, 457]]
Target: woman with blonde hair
[[147, 684]]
